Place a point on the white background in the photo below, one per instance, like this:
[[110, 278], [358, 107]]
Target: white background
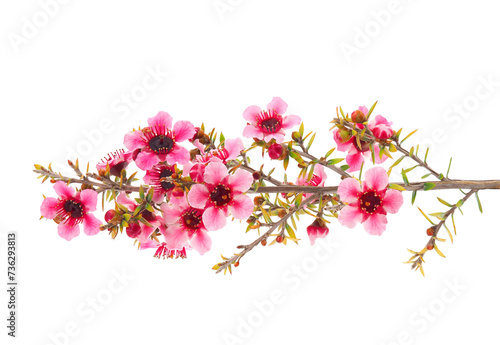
[[62, 78]]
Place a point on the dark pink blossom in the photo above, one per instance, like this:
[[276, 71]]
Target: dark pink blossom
[[117, 161], [71, 209], [269, 123], [369, 203], [155, 178], [159, 142]]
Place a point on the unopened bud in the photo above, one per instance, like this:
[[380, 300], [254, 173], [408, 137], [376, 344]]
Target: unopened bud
[[256, 175], [236, 264], [344, 135], [430, 247], [275, 151], [177, 192], [279, 239], [358, 116], [258, 200], [282, 213], [430, 231], [296, 136], [263, 242], [109, 215]]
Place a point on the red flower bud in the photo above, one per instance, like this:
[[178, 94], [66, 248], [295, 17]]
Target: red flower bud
[[275, 151], [358, 116], [109, 215]]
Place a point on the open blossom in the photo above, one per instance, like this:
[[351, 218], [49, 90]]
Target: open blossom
[[154, 177], [159, 142], [184, 227], [222, 195], [270, 123], [117, 161], [317, 229], [229, 151], [357, 153], [369, 203], [139, 230], [71, 209]]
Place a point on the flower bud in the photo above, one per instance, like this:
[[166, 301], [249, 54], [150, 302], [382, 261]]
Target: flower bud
[[256, 175], [430, 247], [236, 264], [317, 229], [275, 151], [133, 230], [177, 192], [358, 116], [430, 231], [263, 242], [296, 136], [279, 239], [344, 135], [258, 201], [109, 215]]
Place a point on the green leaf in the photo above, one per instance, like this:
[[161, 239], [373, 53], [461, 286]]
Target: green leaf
[[329, 153], [396, 187], [286, 161], [344, 167], [444, 202], [413, 197], [334, 161], [405, 178], [449, 166], [301, 129], [426, 153], [141, 192], [429, 186], [371, 110], [395, 164], [426, 176], [479, 202], [310, 142], [409, 135], [425, 216]]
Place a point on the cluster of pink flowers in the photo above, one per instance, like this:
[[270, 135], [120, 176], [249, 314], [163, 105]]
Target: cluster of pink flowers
[[186, 216]]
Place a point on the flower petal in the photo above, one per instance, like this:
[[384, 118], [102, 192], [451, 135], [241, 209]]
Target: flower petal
[[215, 172], [290, 121], [201, 241], [233, 147], [393, 201], [179, 155], [198, 196], [241, 181], [183, 130], [278, 104], [242, 207], [375, 224], [375, 179], [89, 199], [63, 190], [162, 119], [91, 225], [251, 131], [172, 213], [278, 136], [176, 237], [250, 113], [149, 244], [134, 140], [146, 159], [349, 216], [349, 190], [363, 109], [68, 232], [214, 219], [354, 161], [49, 207], [124, 200]]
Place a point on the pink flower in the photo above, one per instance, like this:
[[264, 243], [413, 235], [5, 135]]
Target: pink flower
[[318, 179], [357, 154], [270, 123], [71, 209], [158, 142], [139, 230], [154, 178], [317, 229], [117, 161], [381, 128], [221, 195], [229, 151], [185, 225], [370, 203]]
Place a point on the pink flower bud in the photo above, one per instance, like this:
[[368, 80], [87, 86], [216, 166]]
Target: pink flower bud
[[275, 151]]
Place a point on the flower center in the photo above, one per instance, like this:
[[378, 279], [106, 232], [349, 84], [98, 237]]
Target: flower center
[[192, 218], [369, 202], [166, 185], [269, 122], [221, 195], [161, 144], [75, 208], [149, 216]]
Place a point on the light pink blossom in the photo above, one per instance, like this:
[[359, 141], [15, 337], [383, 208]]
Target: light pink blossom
[[159, 142], [317, 179], [270, 123], [317, 229], [155, 178], [222, 195], [369, 203], [71, 209]]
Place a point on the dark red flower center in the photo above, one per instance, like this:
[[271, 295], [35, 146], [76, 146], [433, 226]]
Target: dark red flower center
[[166, 185], [192, 218], [221, 195], [369, 202], [269, 122], [161, 144], [73, 208], [149, 216]]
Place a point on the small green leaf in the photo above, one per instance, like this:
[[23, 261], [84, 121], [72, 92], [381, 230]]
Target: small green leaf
[[413, 197], [371, 110], [444, 202], [396, 187], [334, 161], [479, 202], [344, 167], [329, 153], [409, 135], [405, 178], [429, 186], [425, 216], [449, 166]]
